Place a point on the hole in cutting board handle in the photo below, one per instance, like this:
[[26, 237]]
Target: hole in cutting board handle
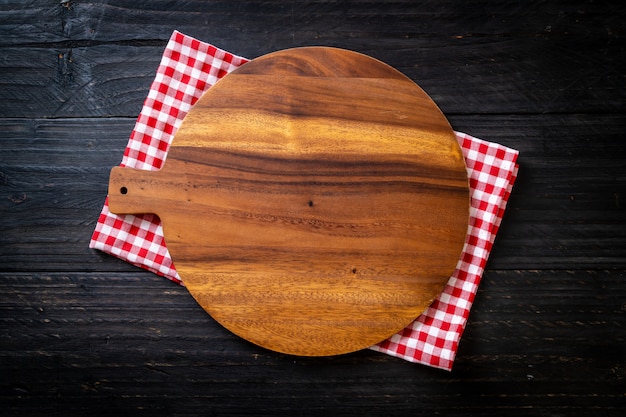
[[123, 190]]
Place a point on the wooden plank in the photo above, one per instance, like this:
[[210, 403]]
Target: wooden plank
[[81, 62], [53, 177], [135, 342], [101, 81], [113, 80], [569, 195], [38, 21]]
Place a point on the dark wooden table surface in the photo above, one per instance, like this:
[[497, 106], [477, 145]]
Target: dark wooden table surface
[[82, 333]]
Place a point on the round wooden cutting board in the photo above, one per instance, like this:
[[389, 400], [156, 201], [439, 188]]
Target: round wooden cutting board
[[314, 201]]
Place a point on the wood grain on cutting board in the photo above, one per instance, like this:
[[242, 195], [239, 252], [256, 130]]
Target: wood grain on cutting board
[[314, 201]]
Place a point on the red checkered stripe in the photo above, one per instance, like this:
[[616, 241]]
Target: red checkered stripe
[[189, 68], [433, 338]]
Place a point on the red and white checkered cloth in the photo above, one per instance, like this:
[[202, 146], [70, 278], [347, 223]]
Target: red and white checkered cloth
[[188, 68]]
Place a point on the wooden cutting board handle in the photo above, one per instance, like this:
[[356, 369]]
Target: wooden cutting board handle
[[314, 201]]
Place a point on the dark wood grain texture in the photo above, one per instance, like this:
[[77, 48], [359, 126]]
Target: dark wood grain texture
[[85, 334], [507, 58], [78, 344]]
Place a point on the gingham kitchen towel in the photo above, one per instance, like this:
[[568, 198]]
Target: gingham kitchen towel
[[188, 68]]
